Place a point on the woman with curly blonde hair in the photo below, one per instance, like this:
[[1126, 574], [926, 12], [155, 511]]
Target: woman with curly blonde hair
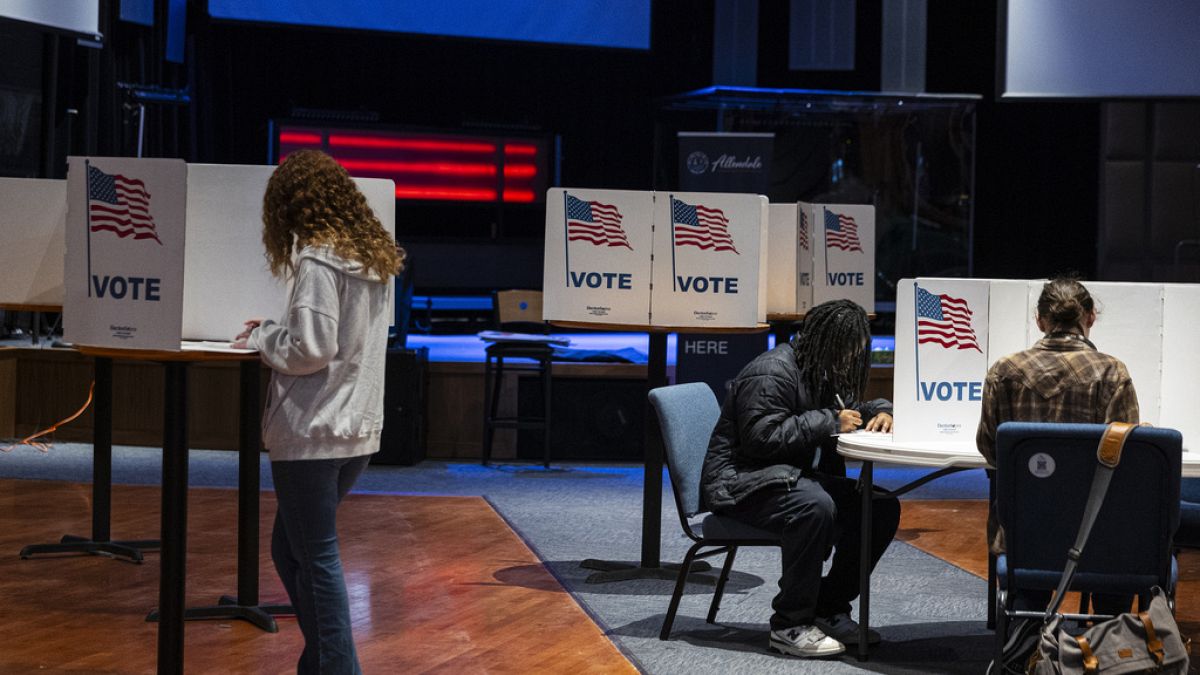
[[325, 409]]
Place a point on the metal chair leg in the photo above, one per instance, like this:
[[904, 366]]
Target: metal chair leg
[[716, 601], [991, 595], [1001, 637], [546, 398], [492, 376], [680, 582]]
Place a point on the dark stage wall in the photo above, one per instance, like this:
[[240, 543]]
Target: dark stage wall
[[1037, 171]]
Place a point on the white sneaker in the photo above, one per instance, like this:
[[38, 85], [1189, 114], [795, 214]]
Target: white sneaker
[[844, 629], [804, 641]]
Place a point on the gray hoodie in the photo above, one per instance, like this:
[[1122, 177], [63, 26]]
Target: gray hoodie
[[326, 394]]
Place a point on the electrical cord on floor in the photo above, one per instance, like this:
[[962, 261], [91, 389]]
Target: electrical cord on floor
[[45, 446]]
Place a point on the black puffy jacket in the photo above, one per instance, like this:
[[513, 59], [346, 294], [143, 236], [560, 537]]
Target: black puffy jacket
[[770, 429]]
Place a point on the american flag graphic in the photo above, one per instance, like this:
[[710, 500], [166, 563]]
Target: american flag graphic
[[804, 243], [841, 232], [594, 222], [944, 320], [120, 205], [700, 226]]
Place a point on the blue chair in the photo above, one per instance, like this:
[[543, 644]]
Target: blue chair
[[1188, 534], [1043, 475], [687, 414]]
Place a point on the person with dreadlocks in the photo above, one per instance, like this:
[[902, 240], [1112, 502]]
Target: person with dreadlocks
[[772, 463]]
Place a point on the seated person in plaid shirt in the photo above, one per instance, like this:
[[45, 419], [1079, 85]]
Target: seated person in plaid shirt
[[1062, 378]]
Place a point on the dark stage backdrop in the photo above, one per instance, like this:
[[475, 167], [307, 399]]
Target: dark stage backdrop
[[1036, 194]]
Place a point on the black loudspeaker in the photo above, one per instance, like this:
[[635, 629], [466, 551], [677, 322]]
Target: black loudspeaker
[[591, 419], [406, 379]]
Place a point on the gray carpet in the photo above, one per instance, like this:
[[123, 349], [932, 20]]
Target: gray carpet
[[931, 614]]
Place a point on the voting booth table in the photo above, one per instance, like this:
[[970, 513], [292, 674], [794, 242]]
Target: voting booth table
[[950, 331], [163, 264]]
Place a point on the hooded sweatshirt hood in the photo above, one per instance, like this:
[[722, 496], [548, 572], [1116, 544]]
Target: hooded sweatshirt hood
[[325, 255]]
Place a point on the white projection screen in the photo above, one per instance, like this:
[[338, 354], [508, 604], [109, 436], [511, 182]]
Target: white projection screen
[[75, 16], [1099, 49]]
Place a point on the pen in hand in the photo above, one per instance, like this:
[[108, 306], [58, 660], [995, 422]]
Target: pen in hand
[[848, 420]]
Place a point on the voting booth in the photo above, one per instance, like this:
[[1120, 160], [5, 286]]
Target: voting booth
[[950, 331], [640, 258], [842, 255], [598, 253], [789, 260], [159, 251], [33, 214], [818, 253]]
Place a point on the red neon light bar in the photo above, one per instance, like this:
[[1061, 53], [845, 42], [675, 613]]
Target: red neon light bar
[[431, 166], [523, 196], [437, 168], [448, 193], [340, 140], [299, 138], [520, 170]]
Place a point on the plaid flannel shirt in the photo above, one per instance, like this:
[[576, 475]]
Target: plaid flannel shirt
[[1061, 379]]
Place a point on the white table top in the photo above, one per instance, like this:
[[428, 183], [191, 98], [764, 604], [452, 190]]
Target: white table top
[[874, 447]]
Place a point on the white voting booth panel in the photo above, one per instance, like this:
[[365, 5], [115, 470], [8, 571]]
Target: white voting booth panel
[[598, 255], [33, 215], [941, 358], [1129, 326], [226, 276], [789, 260], [782, 270], [1181, 363], [843, 258], [710, 260], [804, 261], [1149, 327], [217, 276], [125, 252]]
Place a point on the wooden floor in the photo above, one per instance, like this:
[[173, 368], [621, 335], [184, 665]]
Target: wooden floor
[[953, 530], [437, 585]]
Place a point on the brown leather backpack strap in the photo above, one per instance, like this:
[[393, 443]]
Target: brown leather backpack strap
[[1152, 642], [1091, 664], [1113, 441]]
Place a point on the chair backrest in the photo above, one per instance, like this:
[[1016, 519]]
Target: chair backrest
[[687, 414], [518, 311], [1043, 476]]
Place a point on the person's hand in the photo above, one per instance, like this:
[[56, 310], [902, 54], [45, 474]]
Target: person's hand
[[248, 327], [241, 339], [881, 423], [848, 420]]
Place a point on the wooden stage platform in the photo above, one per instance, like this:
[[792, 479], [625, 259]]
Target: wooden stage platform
[[437, 585], [953, 530]]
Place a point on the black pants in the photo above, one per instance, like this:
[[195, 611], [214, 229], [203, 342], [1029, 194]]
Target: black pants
[[813, 516]]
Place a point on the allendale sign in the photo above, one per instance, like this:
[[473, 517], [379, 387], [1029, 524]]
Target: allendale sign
[[725, 162]]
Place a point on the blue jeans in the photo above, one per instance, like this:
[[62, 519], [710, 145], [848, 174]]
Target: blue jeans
[[304, 547]]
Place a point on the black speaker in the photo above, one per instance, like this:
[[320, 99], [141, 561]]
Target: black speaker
[[591, 418], [406, 379]]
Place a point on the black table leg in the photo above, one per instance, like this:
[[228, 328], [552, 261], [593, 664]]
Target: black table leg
[[245, 606], [866, 486], [99, 543], [992, 582], [172, 581], [650, 567]]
